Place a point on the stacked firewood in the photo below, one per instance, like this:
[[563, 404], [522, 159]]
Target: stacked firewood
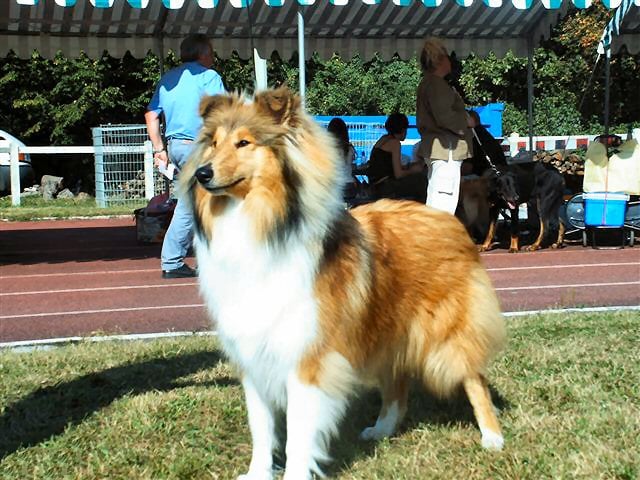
[[566, 162], [569, 164], [132, 188]]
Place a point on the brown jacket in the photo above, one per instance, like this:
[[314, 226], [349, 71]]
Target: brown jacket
[[442, 121]]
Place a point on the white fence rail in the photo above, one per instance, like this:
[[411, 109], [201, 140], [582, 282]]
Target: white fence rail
[[146, 150], [130, 142]]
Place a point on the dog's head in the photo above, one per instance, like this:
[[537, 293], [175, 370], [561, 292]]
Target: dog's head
[[240, 144], [506, 189], [265, 152]]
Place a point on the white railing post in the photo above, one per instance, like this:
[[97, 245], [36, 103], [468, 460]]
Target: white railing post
[[14, 174], [148, 170], [99, 167]]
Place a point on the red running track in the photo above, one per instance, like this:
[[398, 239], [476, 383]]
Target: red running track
[[84, 277]]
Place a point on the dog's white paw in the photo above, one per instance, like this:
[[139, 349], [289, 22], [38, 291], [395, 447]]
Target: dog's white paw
[[492, 440], [372, 433], [256, 476]]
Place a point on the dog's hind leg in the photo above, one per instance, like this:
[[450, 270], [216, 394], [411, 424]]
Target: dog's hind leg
[[395, 392], [543, 228], [560, 241], [312, 418], [262, 425], [484, 411]]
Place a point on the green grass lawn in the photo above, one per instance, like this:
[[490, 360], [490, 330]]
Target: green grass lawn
[[568, 387], [34, 208]]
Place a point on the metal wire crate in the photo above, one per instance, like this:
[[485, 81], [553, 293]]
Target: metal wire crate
[[124, 165]]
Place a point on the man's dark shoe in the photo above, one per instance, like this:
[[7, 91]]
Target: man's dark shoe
[[184, 271]]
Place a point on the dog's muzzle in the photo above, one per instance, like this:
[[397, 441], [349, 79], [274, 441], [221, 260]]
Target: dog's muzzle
[[204, 174]]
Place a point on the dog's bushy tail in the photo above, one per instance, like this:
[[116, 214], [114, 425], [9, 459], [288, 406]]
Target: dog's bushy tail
[[466, 351]]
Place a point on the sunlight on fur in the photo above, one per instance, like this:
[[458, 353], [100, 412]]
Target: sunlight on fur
[[312, 301]]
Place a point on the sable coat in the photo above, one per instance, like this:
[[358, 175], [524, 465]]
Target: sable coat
[[442, 121]]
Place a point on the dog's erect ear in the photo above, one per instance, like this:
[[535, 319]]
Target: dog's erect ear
[[210, 104], [280, 104]]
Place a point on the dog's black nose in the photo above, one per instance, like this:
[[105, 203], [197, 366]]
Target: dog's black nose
[[204, 174]]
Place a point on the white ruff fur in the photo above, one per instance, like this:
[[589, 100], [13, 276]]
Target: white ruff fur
[[261, 300], [266, 315]]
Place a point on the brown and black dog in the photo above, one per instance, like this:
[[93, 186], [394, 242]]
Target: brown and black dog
[[483, 197], [539, 185]]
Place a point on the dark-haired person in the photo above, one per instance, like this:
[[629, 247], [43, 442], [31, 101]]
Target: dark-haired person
[[386, 168], [444, 127], [177, 97], [338, 128]]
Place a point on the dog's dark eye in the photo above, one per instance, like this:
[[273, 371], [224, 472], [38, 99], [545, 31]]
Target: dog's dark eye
[[242, 143], [214, 143]]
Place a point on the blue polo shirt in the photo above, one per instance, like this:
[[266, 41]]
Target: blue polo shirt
[[178, 96]]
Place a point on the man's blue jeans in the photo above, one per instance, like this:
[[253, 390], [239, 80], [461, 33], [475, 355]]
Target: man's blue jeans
[[179, 236]]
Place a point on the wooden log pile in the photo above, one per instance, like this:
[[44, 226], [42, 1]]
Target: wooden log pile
[[132, 188], [567, 163]]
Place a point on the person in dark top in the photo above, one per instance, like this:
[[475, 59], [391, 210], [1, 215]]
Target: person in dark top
[[338, 128], [488, 145], [387, 174]]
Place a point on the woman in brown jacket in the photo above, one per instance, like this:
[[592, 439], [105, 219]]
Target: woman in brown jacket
[[444, 127]]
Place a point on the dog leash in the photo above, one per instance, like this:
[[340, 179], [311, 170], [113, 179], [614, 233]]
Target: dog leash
[[486, 156]]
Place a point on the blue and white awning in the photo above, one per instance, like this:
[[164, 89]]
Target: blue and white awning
[[344, 26], [614, 29]]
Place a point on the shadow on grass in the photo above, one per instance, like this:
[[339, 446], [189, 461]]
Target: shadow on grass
[[48, 411], [423, 408]]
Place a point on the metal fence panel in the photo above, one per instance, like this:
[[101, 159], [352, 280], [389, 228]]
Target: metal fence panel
[[121, 166], [362, 136]]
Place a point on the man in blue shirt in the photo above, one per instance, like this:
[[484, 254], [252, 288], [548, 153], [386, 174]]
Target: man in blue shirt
[[178, 96]]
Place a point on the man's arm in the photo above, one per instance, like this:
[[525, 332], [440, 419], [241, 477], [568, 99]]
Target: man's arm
[[152, 120], [213, 83]]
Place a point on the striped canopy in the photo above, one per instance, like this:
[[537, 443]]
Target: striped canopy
[[344, 26]]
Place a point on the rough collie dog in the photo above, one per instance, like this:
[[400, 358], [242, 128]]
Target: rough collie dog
[[311, 301]]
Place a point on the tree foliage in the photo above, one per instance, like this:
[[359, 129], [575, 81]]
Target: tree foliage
[[57, 101]]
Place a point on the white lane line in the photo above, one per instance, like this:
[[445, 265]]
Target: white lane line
[[147, 270], [524, 313], [577, 265], [98, 289], [107, 310], [564, 251], [50, 342], [72, 250], [574, 285], [72, 274], [29, 345]]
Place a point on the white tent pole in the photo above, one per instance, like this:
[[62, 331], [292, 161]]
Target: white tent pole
[[530, 92], [607, 89], [260, 69], [301, 55]]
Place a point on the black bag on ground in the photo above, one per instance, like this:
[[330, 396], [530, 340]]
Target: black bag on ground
[[153, 220]]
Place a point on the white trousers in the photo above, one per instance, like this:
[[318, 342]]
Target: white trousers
[[443, 189]]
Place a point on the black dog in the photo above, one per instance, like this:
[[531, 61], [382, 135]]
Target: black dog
[[539, 185]]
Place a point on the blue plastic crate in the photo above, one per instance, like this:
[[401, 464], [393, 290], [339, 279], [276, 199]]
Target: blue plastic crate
[[605, 209]]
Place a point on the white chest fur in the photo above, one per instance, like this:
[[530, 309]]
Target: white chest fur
[[261, 300]]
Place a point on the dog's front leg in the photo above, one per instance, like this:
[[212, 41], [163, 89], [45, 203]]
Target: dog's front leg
[[262, 425], [514, 226], [488, 241], [312, 417]]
